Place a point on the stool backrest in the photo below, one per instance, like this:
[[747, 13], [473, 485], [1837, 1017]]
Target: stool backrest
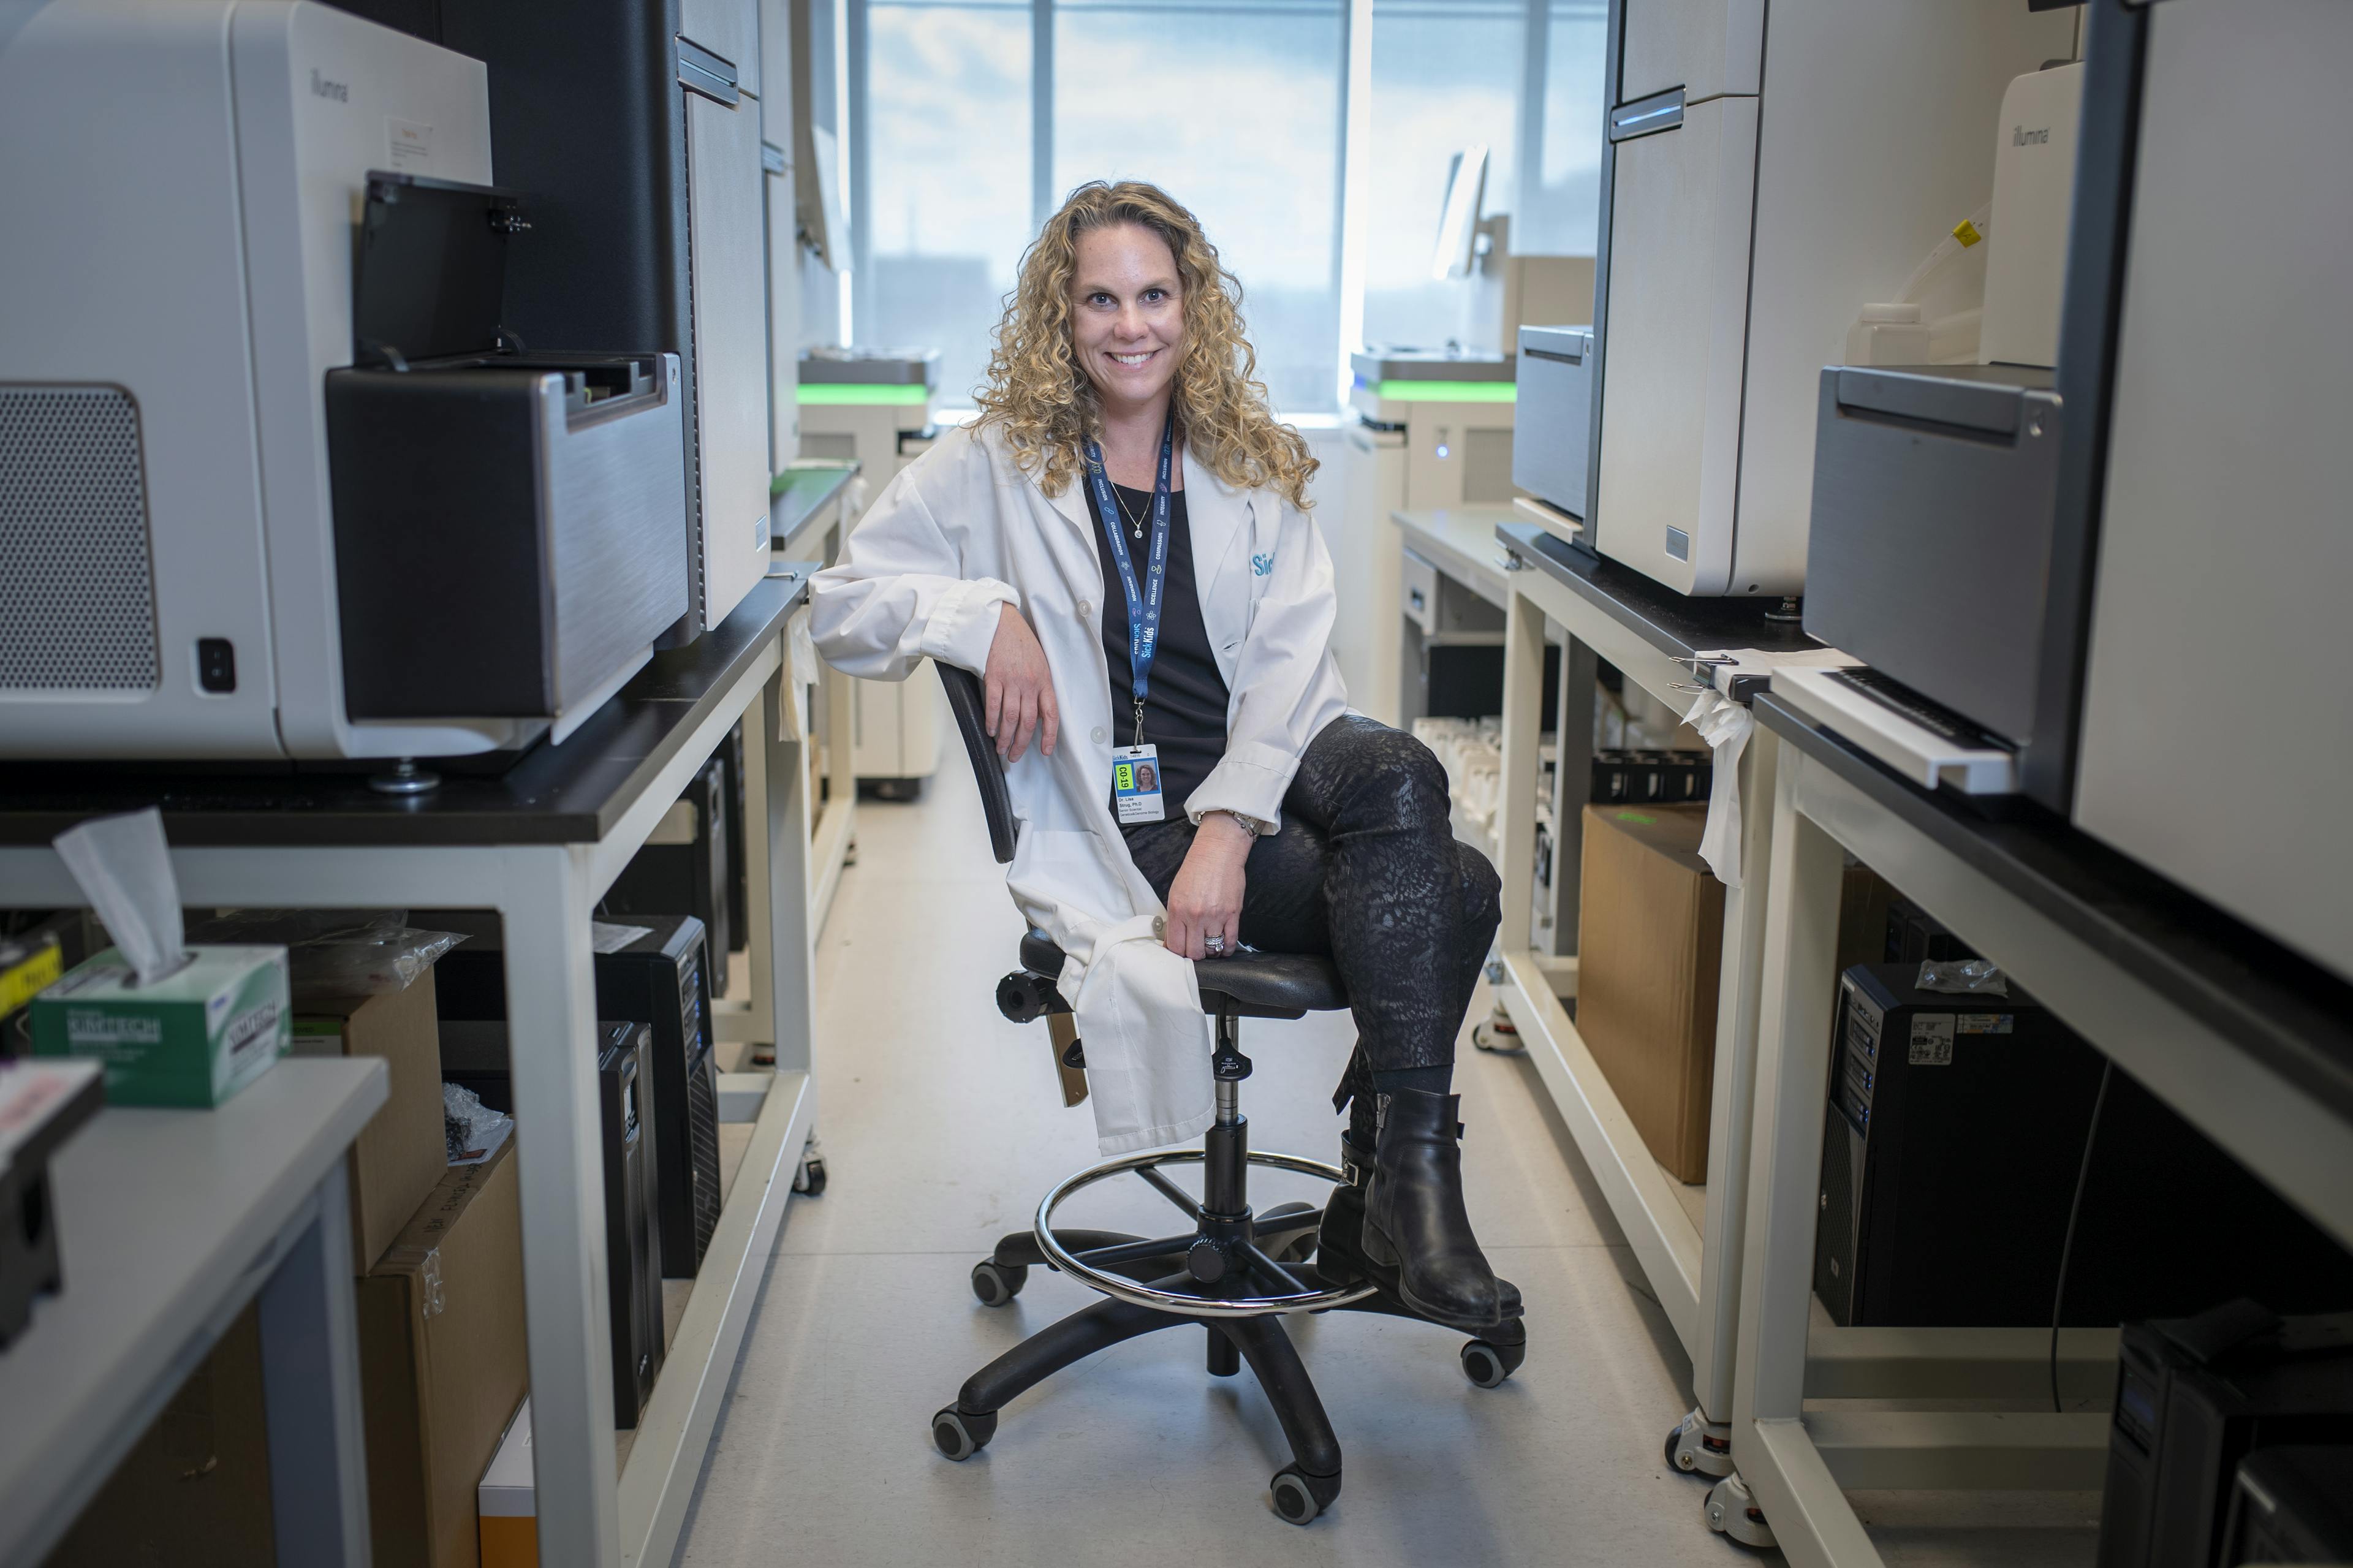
[[969, 704]]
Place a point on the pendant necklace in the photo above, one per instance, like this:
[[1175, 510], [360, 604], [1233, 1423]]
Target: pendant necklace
[[1135, 524]]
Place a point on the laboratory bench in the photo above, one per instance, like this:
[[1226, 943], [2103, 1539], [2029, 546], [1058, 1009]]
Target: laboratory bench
[[170, 1223], [1461, 542], [2252, 1045], [1686, 1240], [539, 844]]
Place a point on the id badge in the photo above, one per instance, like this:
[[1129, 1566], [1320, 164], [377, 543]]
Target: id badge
[[1135, 784]]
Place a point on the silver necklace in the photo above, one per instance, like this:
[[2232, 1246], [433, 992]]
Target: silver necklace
[[1135, 523]]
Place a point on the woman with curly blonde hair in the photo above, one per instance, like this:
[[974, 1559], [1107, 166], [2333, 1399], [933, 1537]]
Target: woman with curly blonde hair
[[1120, 547]]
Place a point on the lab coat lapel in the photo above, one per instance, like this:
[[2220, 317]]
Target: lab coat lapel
[[1218, 513]]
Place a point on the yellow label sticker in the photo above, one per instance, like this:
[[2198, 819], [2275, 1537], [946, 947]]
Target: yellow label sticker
[[1125, 774], [1966, 233], [20, 983]]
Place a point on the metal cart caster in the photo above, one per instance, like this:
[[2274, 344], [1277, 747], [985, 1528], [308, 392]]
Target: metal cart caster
[[809, 1178], [1698, 1447], [1499, 1036], [1733, 1513]]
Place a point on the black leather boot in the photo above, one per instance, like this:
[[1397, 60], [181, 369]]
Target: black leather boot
[[1340, 1245], [1415, 1223]]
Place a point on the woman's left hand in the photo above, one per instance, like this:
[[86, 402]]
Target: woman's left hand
[[1206, 900]]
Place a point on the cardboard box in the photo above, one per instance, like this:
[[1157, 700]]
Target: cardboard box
[[508, 1500], [402, 1152], [442, 1364], [1649, 948], [193, 1038], [193, 1491]]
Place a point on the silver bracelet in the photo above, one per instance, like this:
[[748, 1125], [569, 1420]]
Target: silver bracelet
[[1249, 825]]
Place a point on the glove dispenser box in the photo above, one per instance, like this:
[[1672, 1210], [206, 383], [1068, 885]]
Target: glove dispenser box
[[509, 527], [1770, 157]]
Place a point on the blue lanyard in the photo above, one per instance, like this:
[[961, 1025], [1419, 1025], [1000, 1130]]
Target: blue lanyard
[[1142, 600]]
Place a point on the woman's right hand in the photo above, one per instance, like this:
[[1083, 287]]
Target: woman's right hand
[[1021, 690]]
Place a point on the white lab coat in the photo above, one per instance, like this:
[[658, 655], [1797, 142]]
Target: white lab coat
[[962, 529]]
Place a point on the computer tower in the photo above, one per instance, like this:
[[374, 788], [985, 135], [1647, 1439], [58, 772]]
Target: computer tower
[[1927, 1217], [1950, 1156], [661, 980], [475, 1056], [2195, 1396], [682, 870], [2291, 1504], [632, 1226]]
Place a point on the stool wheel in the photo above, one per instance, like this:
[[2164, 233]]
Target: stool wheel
[[960, 1436], [1300, 1496], [1487, 1365], [996, 1284]]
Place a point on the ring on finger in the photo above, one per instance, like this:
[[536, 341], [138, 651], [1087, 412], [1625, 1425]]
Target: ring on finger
[[1216, 943]]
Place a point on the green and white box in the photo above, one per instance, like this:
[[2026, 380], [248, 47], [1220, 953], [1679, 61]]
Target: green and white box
[[194, 1038]]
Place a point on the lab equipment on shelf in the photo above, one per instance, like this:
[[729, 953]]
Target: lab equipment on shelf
[[232, 552], [1432, 430], [635, 132], [1553, 461], [1761, 184], [2031, 561], [875, 406]]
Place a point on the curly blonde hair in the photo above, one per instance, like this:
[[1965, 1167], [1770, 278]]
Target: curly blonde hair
[[1047, 408]]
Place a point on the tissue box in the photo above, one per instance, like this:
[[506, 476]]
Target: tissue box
[[193, 1038]]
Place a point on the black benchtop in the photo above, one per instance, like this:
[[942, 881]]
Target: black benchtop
[[1677, 625], [2291, 1015], [571, 794]]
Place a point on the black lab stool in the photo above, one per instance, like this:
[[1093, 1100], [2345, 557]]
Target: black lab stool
[[1237, 1273]]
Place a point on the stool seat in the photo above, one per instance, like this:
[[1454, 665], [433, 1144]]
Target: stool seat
[[1255, 985]]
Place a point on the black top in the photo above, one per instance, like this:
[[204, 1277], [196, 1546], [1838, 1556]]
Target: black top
[[1185, 711]]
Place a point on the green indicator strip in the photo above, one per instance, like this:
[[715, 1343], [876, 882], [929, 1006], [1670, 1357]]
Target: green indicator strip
[[1447, 392], [844, 393]]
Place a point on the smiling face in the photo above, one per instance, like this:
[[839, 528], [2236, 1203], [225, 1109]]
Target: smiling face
[[1127, 315]]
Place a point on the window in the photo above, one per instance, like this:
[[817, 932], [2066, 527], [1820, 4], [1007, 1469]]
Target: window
[[1238, 108], [1446, 76], [946, 186], [1190, 96], [1565, 205]]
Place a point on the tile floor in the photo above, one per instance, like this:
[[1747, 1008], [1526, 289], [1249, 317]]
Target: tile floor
[[942, 1127]]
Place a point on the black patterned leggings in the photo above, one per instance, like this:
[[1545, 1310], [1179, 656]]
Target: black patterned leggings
[[1367, 870]]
